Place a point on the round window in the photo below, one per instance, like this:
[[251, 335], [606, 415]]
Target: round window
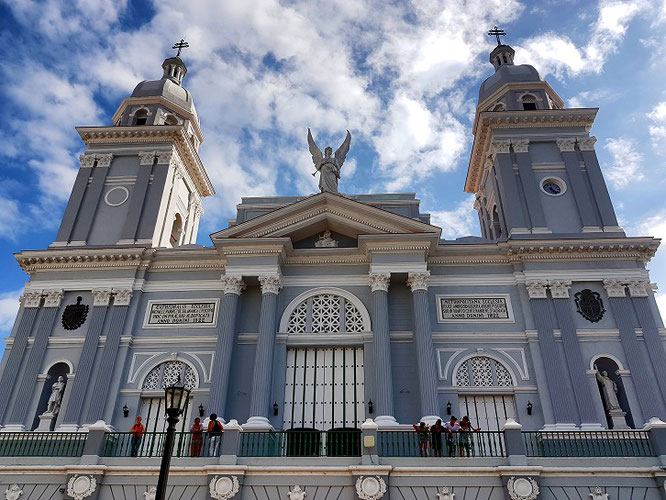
[[553, 186]]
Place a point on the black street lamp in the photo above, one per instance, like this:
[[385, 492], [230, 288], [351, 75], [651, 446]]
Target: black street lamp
[[176, 397]]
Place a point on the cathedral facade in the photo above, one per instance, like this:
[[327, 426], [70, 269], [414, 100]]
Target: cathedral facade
[[340, 315]]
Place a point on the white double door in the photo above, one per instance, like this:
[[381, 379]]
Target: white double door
[[486, 411], [153, 415], [324, 388]]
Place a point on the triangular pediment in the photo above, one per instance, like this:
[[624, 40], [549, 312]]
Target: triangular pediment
[[314, 215]]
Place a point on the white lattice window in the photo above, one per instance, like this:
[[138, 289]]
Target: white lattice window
[[168, 373], [327, 314], [482, 371]]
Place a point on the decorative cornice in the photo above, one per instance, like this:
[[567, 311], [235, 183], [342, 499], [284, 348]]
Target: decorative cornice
[[566, 144], [638, 288], [317, 260], [121, 296], [536, 289], [53, 298], [31, 261], [560, 289], [270, 284], [587, 144], [418, 281], [520, 145], [31, 299], [614, 288], [379, 282], [101, 296], [233, 284]]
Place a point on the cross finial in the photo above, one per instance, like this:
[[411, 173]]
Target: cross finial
[[496, 32], [180, 46]]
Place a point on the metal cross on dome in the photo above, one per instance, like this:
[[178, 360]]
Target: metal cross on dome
[[497, 32], [182, 45]]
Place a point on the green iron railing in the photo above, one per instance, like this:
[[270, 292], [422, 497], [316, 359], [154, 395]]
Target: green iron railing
[[301, 443], [588, 444], [151, 444], [42, 444], [457, 445]]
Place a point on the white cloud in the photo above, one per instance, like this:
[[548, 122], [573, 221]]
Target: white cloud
[[657, 127], [627, 162], [589, 98], [9, 306], [661, 303], [461, 221]]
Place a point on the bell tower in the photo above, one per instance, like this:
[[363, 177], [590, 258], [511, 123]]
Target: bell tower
[[533, 166], [141, 180]]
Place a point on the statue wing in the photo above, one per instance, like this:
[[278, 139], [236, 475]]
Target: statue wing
[[342, 151], [316, 153]]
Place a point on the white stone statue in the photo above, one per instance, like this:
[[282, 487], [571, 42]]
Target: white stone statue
[[13, 492], [328, 166], [610, 390], [53, 405], [325, 241]]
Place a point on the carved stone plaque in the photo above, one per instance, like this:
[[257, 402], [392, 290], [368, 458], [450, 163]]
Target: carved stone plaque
[[196, 313], [474, 309]]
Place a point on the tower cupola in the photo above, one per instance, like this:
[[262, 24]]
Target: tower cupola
[[174, 69], [502, 55]]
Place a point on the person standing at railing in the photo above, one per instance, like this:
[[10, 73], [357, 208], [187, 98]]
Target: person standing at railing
[[436, 432], [466, 430], [197, 438], [452, 432], [422, 434], [136, 432], [215, 430]]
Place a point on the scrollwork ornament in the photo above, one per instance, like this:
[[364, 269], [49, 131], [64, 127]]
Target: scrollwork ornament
[[638, 288], [536, 289], [445, 493], [101, 297], [520, 145], [370, 487], [52, 298], [500, 147], [104, 160], [223, 487], [270, 284], [560, 289], [164, 157], [122, 296], [31, 299], [522, 488], [13, 492], [587, 144], [598, 493], [566, 144], [614, 288], [80, 487], [296, 493], [146, 157]]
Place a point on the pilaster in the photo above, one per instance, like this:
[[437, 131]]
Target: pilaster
[[425, 351], [263, 363], [88, 207], [226, 331], [529, 183], [578, 185], [599, 189], [379, 285], [514, 217], [139, 192]]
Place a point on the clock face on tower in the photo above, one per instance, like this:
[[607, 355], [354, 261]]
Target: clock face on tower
[[551, 188]]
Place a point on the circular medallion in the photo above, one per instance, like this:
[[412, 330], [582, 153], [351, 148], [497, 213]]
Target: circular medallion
[[116, 196], [522, 487], [370, 486], [223, 486]]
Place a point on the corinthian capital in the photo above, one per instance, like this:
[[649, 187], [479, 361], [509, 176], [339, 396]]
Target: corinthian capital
[[379, 282], [587, 144], [270, 284], [101, 297], [87, 161], [536, 289], [164, 157], [500, 147], [566, 143], [520, 145], [147, 157], [560, 289], [233, 284], [52, 298], [31, 299], [614, 288], [418, 281], [122, 296], [104, 160], [638, 288]]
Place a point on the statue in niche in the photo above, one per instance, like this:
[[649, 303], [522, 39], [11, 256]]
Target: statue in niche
[[328, 166], [57, 389], [325, 241], [610, 390]]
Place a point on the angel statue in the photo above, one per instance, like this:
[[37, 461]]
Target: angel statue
[[327, 166]]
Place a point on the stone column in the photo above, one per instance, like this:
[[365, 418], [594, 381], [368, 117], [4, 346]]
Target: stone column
[[578, 185], [226, 332], [263, 361], [425, 351], [599, 189], [72, 412], [379, 284], [638, 290], [30, 301], [100, 391], [530, 191], [560, 396], [52, 300], [644, 381], [573, 357], [514, 217]]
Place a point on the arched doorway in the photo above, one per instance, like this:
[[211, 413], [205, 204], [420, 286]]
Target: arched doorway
[[61, 369]]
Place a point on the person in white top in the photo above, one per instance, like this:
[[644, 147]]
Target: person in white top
[[452, 429]]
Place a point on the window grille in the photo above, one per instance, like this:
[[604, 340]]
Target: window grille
[[482, 371], [168, 373], [327, 314]]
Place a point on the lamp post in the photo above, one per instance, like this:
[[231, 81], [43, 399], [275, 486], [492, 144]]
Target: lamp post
[[176, 397]]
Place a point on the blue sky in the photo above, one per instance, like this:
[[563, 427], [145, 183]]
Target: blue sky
[[402, 77]]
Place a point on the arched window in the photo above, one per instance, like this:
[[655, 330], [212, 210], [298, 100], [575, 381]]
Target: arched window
[[176, 231], [141, 117], [170, 120], [168, 373], [529, 102], [482, 371], [326, 313]]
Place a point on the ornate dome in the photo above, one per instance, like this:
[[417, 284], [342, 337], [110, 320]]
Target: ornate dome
[[507, 74]]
